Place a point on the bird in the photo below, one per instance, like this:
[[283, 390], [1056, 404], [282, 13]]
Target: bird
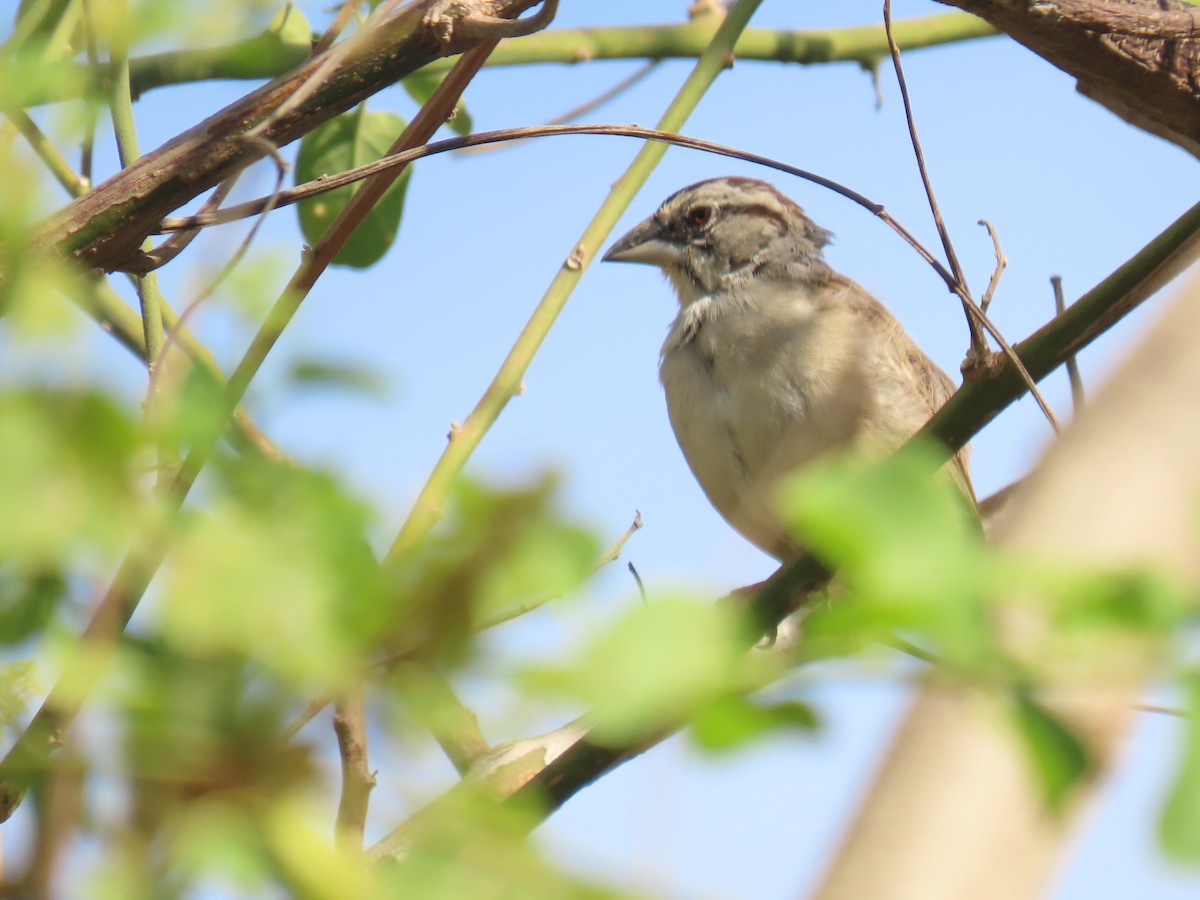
[[774, 360]]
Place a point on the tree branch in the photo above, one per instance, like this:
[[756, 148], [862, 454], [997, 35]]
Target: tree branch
[[267, 57], [105, 227]]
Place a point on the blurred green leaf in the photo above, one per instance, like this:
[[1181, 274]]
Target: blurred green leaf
[[205, 725], [1059, 758], [28, 600], [471, 846], [734, 721], [906, 546], [420, 87], [1179, 825], [65, 476], [660, 663], [196, 409], [278, 569], [319, 373], [493, 550], [350, 140]]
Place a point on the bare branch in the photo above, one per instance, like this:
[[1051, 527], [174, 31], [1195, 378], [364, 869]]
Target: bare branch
[[1001, 265], [350, 726], [1060, 306]]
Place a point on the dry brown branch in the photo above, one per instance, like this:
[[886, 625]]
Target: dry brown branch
[[978, 353], [1001, 265], [105, 227]]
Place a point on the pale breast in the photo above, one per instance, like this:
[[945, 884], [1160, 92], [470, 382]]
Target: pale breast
[[754, 392]]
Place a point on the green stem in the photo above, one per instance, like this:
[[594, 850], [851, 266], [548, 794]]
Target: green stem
[[121, 105], [47, 153], [507, 381], [864, 44], [266, 57]]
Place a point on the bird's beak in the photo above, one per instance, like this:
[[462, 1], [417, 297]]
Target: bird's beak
[[645, 243]]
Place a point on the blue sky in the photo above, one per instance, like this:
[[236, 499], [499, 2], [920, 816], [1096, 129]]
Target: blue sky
[[1070, 189]]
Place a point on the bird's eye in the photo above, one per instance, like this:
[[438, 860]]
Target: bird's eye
[[700, 215]]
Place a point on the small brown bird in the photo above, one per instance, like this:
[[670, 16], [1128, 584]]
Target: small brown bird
[[774, 360]]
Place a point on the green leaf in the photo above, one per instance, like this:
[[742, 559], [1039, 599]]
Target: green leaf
[[733, 721], [661, 663], [277, 569], [904, 542], [65, 475], [1060, 759], [350, 140], [420, 87], [1179, 825]]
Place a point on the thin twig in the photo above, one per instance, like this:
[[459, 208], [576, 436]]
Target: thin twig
[[243, 247], [612, 554], [331, 182], [92, 61], [150, 297], [582, 109], [507, 381], [1001, 265], [60, 809], [1162, 710], [345, 14], [978, 353], [149, 260], [1060, 306], [350, 727], [637, 579]]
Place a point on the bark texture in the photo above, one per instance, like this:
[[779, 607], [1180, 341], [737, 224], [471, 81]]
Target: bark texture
[[105, 227]]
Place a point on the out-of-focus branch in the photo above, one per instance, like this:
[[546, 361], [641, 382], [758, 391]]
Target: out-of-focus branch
[[350, 727], [955, 755]]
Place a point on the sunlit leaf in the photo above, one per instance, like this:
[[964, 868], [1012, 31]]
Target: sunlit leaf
[[65, 474], [350, 140], [659, 663], [904, 543], [278, 569]]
